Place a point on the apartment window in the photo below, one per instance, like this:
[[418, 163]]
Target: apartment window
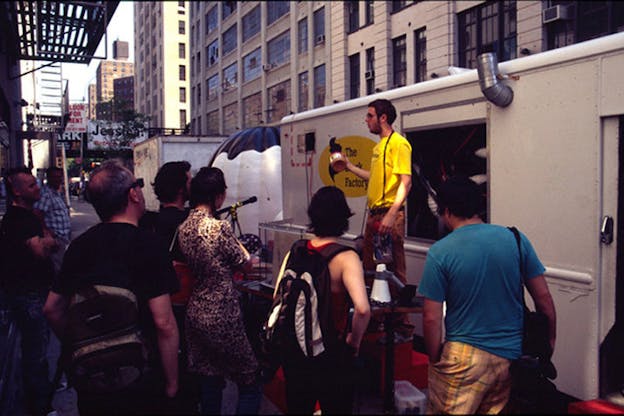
[[230, 77], [213, 87], [181, 50], [252, 110], [182, 94], [181, 27], [490, 27], [251, 65], [370, 12], [212, 53], [319, 26], [354, 75], [198, 60], [420, 55], [400, 5], [182, 119], [229, 40], [182, 72], [370, 71], [211, 20], [227, 8], [230, 118], [586, 20], [399, 62], [279, 49], [302, 35], [304, 83], [276, 9], [212, 122], [279, 101], [181, 4], [353, 15], [319, 86], [198, 102], [251, 23]]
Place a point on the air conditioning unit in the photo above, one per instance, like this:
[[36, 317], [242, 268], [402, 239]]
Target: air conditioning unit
[[555, 13], [369, 75], [320, 39], [266, 67]]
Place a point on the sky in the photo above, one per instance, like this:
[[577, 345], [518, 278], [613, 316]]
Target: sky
[[121, 27]]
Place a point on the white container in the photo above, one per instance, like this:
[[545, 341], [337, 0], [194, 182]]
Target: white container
[[408, 400]]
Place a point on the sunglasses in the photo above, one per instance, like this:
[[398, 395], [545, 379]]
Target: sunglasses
[[139, 182]]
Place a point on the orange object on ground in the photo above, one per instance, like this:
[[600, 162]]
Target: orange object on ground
[[597, 406]]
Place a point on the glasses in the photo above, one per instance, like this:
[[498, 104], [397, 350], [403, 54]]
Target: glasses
[[139, 182]]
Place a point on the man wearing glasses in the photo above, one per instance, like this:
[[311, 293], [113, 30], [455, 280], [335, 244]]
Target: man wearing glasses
[[116, 252], [389, 183]]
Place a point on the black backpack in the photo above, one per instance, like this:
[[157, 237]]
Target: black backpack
[[300, 318], [103, 348]]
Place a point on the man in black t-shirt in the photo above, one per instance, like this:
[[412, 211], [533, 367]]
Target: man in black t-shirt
[[25, 274], [117, 252]]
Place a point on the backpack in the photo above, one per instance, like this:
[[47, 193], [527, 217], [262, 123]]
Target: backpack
[[103, 347], [300, 318]]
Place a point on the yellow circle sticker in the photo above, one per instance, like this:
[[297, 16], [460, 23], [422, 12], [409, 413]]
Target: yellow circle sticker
[[359, 151]]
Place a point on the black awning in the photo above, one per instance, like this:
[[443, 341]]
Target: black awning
[[58, 31]]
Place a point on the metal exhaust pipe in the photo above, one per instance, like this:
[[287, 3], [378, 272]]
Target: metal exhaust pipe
[[496, 92]]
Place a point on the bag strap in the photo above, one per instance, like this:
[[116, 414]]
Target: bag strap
[[383, 191], [173, 240], [516, 234]]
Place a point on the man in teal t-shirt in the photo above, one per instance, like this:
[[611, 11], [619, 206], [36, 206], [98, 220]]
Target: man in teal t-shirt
[[476, 271]]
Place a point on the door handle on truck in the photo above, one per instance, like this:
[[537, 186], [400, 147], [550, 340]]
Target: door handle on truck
[[606, 230]]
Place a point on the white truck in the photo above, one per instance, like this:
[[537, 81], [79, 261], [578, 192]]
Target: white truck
[[548, 152], [151, 154]]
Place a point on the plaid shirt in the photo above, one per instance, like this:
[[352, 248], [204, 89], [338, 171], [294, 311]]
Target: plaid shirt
[[56, 213]]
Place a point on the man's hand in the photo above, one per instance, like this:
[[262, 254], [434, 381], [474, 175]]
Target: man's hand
[[171, 389]]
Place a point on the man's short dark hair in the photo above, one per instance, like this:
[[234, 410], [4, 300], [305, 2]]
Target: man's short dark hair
[[329, 212], [53, 169], [171, 177], [9, 179], [108, 188], [206, 186], [383, 106], [461, 196]]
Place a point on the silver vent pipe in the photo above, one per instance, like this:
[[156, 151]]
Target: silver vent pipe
[[489, 80]]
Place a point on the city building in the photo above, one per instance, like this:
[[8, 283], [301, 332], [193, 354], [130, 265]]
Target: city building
[[161, 51], [92, 100], [123, 93], [254, 62], [42, 91], [106, 73]]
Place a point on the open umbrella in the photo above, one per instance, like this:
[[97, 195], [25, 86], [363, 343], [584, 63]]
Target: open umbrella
[[251, 162]]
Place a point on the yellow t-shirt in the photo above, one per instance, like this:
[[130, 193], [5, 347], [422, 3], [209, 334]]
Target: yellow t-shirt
[[398, 158]]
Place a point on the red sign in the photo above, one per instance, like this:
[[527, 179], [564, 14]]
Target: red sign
[[78, 119]]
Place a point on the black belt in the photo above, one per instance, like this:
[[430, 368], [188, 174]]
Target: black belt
[[382, 210]]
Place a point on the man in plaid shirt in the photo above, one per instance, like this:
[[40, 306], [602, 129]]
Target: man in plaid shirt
[[55, 213]]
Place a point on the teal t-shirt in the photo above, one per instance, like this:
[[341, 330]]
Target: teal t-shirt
[[476, 270]]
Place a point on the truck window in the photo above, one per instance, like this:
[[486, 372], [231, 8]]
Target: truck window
[[436, 155]]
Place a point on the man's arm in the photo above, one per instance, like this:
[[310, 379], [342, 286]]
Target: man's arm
[[362, 173], [432, 329], [54, 310], [42, 246], [353, 280], [168, 340], [388, 220], [538, 289]]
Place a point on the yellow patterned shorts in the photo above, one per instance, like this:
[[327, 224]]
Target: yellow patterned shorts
[[468, 380]]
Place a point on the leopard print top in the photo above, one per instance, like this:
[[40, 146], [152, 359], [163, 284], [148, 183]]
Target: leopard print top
[[215, 333]]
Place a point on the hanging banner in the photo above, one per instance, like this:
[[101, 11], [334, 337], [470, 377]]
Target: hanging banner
[[78, 118]]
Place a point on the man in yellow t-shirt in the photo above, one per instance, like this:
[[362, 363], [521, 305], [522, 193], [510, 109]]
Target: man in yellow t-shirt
[[389, 183]]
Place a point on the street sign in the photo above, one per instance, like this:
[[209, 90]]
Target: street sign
[[78, 119]]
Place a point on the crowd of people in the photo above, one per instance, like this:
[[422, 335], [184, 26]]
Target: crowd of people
[[195, 344]]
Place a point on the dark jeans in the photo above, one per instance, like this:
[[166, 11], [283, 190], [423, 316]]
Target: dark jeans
[[27, 312], [249, 396], [328, 378]]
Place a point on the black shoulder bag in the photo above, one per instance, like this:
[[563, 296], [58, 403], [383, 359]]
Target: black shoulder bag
[[536, 350]]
